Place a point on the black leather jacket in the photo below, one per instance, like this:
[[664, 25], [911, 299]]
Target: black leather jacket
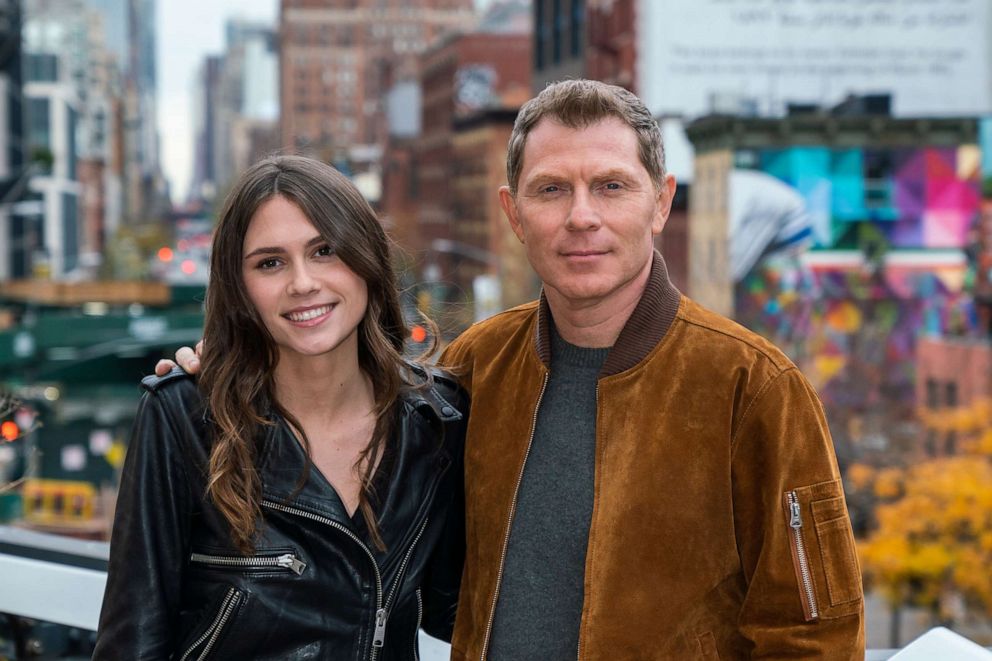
[[316, 587]]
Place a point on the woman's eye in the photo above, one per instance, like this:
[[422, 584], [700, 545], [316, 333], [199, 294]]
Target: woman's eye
[[324, 251], [268, 263]]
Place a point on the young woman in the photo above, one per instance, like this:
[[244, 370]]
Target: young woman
[[303, 499]]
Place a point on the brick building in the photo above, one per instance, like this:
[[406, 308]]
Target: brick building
[[462, 76], [334, 61], [951, 373], [585, 39], [441, 172]]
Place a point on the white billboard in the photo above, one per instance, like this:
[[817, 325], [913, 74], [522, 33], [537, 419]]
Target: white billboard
[[932, 56]]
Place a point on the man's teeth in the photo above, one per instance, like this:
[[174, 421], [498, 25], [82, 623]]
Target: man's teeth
[[307, 315]]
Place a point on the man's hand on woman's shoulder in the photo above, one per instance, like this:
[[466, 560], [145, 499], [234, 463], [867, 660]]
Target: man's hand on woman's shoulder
[[186, 358]]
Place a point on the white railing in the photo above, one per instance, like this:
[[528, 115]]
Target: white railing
[[61, 580]]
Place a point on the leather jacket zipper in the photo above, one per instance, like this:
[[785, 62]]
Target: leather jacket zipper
[[283, 561], [416, 629], [380, 612], [214, 630], [381, 609], [379, 637], [509, 521], [810, 609]]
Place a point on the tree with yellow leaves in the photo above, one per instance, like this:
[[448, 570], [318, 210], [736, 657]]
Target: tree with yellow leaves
[[932, 544]]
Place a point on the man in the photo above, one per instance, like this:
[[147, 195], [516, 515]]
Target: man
[[645, 479]]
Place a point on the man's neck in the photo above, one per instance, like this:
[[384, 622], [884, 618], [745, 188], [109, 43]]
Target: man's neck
[[596, 324]]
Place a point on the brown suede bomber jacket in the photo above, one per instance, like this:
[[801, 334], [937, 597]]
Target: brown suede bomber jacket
[[719, 527]]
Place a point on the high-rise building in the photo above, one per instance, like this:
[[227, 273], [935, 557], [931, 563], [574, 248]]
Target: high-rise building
[[335, 60], [235, 108], [73, 80], [207, 88], [52, 111], [13, 173], [145, 186]]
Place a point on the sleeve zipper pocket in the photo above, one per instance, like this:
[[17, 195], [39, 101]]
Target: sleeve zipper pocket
[[800, 559]]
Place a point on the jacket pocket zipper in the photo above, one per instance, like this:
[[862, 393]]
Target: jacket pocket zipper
[[810, 609], [216, 627], [282, 561]]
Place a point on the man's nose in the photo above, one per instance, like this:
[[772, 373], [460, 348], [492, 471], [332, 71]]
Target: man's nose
[[582, 214]]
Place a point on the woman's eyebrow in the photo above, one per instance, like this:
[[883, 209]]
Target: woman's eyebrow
[[265, 250], [275, 250]]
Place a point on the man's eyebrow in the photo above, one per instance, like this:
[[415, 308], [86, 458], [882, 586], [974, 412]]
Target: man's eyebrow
[[614, 173], [539, 178]]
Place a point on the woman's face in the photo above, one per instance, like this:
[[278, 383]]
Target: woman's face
[[309, 300]]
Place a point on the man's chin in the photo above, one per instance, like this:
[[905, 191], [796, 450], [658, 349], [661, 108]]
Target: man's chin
[[579, 290]]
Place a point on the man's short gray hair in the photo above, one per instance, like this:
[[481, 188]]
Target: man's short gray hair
[[578, 104]]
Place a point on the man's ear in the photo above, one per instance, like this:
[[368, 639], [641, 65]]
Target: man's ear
[[509, 204], [665, 196]]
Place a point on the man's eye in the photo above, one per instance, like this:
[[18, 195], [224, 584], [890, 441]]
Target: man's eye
[[613, 185], [552, 188]]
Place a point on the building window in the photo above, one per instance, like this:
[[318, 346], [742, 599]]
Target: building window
[[72, 122], [540, 34], [933, 394], [951, 394], [70, 232], [42, 68], [578, 23], [39, 129]]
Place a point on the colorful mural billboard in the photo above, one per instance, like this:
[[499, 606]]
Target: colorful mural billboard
[[884, 262]]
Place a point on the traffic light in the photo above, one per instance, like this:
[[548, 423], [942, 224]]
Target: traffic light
[[16, 418], [9, 430]]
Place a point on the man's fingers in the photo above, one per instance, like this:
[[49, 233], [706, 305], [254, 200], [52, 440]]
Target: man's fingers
[[188, 360], [163, 367]]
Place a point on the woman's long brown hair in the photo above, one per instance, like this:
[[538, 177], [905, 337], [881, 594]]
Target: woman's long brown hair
[[239, 355]]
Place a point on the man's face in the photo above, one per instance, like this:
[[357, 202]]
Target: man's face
[[586, 211]]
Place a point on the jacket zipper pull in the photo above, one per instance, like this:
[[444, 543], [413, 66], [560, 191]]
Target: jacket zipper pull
[[379, 638], [290, 561], [796, 519]]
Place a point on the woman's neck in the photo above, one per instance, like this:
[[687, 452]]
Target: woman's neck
[[323, 387]]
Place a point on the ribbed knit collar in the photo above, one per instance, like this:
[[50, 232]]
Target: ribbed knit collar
[[567, 353], [646, 326]]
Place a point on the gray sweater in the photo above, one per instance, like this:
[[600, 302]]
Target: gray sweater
[[540, 598]]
